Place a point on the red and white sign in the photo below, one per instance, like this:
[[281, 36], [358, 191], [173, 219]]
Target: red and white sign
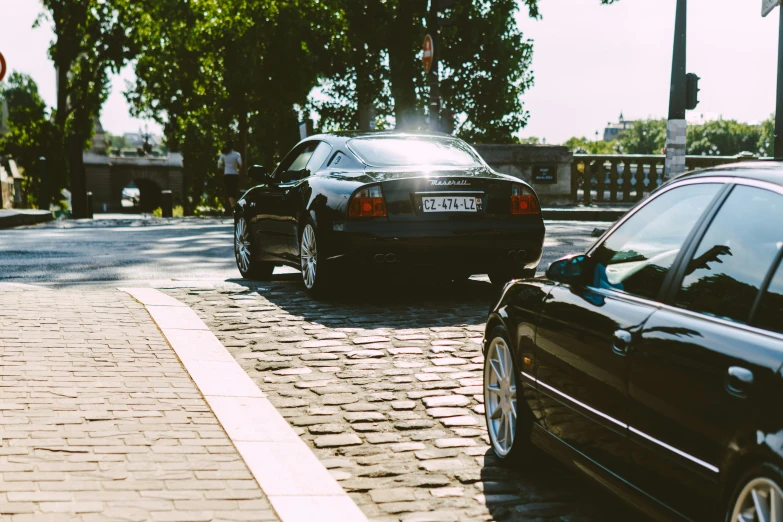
[[2, 67], [429, 53]]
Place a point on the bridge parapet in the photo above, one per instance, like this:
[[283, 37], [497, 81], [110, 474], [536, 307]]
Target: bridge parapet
[[108, 175], [626, 179]]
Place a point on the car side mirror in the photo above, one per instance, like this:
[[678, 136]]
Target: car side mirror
[[570, 270], [259, 175]]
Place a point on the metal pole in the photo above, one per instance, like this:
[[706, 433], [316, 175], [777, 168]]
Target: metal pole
[[676, 127], [432, 24], [778, 146]]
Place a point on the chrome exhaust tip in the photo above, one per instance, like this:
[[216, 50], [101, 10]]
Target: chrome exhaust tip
[[391, 258], [379, 258], [520, 256]]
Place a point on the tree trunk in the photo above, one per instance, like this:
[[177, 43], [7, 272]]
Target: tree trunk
[[243, 147], [78, 176], [402, 62], [62, 95]]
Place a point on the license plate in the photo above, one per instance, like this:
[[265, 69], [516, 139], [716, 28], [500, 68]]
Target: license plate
[[450, 204]]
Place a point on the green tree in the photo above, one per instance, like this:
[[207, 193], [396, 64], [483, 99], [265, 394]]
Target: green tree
[[723, 138], [766, 144], [223, 69], [585, 146], [92, 38], [644, 137], [30, 130]]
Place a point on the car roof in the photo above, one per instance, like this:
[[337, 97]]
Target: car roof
[[765, 170], [342, 137]]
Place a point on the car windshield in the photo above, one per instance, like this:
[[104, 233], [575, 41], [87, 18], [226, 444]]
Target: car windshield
[[407, 151]]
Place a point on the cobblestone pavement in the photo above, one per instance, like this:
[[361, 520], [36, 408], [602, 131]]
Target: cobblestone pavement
[[385, 387], [100, 421]]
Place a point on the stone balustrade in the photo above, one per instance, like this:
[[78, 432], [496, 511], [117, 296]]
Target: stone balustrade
[[626, 179]]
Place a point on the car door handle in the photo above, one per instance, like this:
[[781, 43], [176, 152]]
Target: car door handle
[[738, 381], [621, 342]]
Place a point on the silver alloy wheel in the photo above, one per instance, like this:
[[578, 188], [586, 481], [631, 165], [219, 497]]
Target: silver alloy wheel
[[761, 500], [309, 256], [500, 396], [242, 245]]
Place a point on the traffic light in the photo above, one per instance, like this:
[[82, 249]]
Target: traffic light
[[691, 91]]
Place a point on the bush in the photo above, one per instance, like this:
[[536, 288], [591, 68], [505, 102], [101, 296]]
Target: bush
[[177, 212]]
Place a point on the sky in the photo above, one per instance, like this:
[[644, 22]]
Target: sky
[[590, 62]]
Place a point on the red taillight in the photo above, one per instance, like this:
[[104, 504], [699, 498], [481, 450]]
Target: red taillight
[[523, 201], [367, 202]]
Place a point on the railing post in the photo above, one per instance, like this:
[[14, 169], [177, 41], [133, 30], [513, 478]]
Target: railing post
[[576, 176], [600, 178], [613, 180], [639, 185], [653, 176], [627, 181]]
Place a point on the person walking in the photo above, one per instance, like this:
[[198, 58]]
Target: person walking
[[230, 161]]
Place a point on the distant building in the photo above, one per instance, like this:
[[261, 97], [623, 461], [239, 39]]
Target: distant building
[[136, 139], [613, 129]]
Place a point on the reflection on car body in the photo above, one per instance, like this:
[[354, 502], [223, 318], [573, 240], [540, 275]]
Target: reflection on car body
[[387, 202], [654, 361]]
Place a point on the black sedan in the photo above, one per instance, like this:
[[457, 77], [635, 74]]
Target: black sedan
[[654, 362], [387, 201]]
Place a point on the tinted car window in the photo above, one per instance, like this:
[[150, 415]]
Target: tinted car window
[[292, 166], [769, 314], [728, 268], [319, 156], [402, 151], [636, 257]]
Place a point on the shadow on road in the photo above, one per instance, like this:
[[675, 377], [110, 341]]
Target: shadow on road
[[541, 489], [372, 302]]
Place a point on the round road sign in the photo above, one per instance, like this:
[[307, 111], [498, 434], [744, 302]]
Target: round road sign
[[429, 53], [2, 67]]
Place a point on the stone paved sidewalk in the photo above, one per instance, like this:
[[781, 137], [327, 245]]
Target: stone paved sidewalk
[[100, 421], [386, 389]]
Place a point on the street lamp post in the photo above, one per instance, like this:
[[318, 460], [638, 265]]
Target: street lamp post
[[676, 128], [433, 76]]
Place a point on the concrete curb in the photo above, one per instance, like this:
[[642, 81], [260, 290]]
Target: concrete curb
[[297, 485], [16, 218], [584, 214]]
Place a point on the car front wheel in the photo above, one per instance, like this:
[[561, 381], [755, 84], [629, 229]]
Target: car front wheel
[[758, 496], [248, 265], [508, 418]]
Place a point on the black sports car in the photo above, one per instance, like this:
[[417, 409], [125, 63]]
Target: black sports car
[[387, 201], [655, 361]]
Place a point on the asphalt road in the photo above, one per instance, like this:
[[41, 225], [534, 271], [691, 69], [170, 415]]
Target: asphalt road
[[157, 250]]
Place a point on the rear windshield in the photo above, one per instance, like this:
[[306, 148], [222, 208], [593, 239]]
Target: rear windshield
[[403, 152]]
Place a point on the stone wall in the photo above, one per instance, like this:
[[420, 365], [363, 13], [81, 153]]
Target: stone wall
[[10, 184], [546, 167]]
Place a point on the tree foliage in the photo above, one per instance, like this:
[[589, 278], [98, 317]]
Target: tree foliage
[[723, 138], [644, 137], [92, 38], [584, 146], [30, 130]]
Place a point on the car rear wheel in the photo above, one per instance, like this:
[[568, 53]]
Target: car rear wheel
[[248, 265], [501, 276], [758, 496], [508, 419], [315, 275]]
